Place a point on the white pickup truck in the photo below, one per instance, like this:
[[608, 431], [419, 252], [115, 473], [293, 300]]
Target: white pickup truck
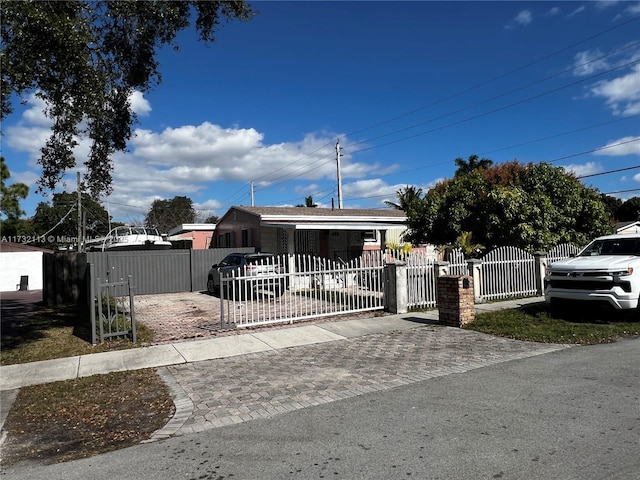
[[606, 271]]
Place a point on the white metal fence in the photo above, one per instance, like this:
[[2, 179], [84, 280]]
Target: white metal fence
[[560, 252], [307, 286], [507, 272], [421, 280], [504, 272]]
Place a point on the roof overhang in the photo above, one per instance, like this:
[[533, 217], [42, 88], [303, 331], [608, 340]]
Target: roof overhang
[[332, 226]]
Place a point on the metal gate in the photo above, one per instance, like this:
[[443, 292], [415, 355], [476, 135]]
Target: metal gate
[[507, 272], [113, 316], [313, 287]]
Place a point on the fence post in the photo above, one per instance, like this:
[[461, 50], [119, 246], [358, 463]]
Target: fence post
[[132, 310], [440, 268], [397, 299], [100, 316], [475, 272], [541, 270], [92, 302]]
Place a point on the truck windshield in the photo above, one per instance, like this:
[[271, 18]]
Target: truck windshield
[[612, 246]]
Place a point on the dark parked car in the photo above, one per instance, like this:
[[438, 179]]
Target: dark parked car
[[258, 273]]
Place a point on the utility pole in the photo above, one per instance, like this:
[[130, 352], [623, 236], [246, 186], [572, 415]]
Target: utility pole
[[339, 175], [78, 239], [251, 192]]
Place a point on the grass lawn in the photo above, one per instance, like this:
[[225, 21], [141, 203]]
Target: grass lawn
[[55, 332], [534, 323]]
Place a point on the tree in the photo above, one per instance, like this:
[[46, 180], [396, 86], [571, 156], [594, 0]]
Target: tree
[[212, 219], [465, 243], [612, 205], [57, 222], [533, 206], [166, 214], [85, 59], [473, 163], [11, 194], [629, 211], [308, 202], [406, 197]]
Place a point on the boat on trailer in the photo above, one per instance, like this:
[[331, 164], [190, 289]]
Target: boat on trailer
[[129, 237]]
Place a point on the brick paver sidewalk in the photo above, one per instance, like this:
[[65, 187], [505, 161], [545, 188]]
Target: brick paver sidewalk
[[215, 393]]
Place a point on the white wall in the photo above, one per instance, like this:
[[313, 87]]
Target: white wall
[[15, 264]]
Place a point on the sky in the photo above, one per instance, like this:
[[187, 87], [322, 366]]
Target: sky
[[405, 88]]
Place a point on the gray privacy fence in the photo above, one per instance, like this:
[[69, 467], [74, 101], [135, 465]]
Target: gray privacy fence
[[66, 278]]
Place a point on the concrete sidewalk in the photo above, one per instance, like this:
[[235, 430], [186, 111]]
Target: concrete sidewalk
[[16, 376]]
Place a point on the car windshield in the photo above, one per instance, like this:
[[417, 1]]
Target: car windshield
[[612, 246]]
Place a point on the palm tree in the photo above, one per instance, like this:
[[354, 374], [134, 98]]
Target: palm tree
[[308, 202], [473, 163], [406, 197]]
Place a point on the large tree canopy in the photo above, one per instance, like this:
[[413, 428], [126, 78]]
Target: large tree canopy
[[10, 195], [533, 206], [166, 214], [57, 222], [85, 59], [629, 211]]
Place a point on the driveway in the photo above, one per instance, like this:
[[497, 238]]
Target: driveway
[[196, 315]]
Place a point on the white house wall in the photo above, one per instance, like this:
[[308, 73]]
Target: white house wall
[[16, 264]]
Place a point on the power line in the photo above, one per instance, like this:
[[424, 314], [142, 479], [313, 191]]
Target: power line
[[594, 150], [440, 117], [498, 109], [290, 175], [623, 191], [482, 84], [608, 172]]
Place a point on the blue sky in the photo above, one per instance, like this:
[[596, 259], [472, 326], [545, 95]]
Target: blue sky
[[406, 87]]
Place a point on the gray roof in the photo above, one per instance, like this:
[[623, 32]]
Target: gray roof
[[352, 213]]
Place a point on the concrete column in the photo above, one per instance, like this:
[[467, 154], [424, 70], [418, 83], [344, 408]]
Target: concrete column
[[475, 272], [541, 270], [441, 268], [397, 297]]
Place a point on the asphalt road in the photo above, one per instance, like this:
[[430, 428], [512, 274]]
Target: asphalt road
[[570, 414]]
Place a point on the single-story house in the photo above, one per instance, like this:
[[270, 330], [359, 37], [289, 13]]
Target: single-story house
[[628, 227], [196, 236], [19, 261], [325, 232]]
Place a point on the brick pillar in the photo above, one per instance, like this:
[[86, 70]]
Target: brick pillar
[[456, 305]]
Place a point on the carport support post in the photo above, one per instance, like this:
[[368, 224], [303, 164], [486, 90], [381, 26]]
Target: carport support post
[[291, 251], [398, 298], [541, 270]]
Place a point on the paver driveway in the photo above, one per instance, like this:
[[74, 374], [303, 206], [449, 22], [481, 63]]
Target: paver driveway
[[215, 393]]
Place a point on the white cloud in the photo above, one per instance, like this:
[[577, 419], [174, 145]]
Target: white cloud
[[578, 10], [139, 104], [623, 146], [553, 11], [585, 169], [374, 189], [589, 62], [621, 94], [525, 17]]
